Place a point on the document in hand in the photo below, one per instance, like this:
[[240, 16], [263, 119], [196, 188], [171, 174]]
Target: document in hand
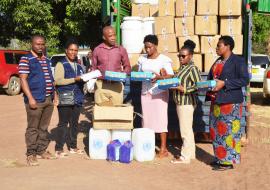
[[91, 75]]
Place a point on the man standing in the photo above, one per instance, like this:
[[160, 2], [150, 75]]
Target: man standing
[[88, 61], [109, 57], [37, 85]]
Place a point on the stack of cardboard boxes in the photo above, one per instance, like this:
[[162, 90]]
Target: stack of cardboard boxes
[[202, 21]]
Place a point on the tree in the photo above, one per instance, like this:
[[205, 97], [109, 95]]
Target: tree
[[55, 19], [260, 31]]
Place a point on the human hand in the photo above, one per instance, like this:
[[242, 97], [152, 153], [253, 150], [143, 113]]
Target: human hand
[[163, 72], [157, 77], [32, 103], [78, 79], [180, 88], [220, 84]]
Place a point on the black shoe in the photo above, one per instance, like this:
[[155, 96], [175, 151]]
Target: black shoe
[[222, 167], [213, 163]]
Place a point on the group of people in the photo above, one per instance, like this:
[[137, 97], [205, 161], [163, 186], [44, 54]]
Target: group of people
[[65, 90]]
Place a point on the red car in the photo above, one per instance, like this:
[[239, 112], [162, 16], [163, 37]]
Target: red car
[[9, 73]]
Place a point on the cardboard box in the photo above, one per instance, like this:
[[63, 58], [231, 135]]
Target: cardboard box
[[238, 44], [117, 117], [207, 7], [206, 25], [195, 39], [167, 43], [184, 26], [164, 25], [133, 59], [230, 7], [166, 8], [175, 61], [185, 8], [209, 60], [209, 44], [153, 12], [231, 25], [197, 59], [141, 10]]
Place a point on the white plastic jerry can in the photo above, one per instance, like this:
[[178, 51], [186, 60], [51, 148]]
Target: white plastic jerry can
[[121, 135], [143, 140], [98, 141]]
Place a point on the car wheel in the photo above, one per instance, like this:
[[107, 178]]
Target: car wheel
[[14, 86]]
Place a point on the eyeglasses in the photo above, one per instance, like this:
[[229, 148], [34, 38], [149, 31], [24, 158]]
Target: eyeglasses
[[183, 56]]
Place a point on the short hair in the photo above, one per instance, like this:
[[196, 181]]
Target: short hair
[[189, 45], [227, 40], [151, 38], [70, 42], [37, 36], [106, 28]]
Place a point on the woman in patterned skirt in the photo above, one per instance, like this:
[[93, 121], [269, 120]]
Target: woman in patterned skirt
[[231, 74]]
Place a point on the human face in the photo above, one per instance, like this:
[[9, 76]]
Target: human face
[[38, 46], [109, 37], [89, 55], [72, 52], [222, 49], [184, 56], [150, 48]]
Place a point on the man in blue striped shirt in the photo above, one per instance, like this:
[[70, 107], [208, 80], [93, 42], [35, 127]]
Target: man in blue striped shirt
[[38, 87]]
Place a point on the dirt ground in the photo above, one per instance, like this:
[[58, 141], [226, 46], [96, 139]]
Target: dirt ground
[[79, 172]]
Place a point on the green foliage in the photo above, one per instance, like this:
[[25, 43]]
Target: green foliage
[[127, 3], [77, 12], [260, 32], [55, 19]]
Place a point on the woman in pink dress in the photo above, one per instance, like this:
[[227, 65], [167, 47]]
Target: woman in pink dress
[[155, 101]]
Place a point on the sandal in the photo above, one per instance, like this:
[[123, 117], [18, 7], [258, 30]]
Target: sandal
[[222, 167], [76, 151], [60, 154], [46, 155], [180, 160]]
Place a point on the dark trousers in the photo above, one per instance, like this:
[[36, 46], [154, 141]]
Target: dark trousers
[[67, 129], [38, 120]]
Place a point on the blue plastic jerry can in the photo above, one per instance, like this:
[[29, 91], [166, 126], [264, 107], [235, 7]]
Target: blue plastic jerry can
[[113, 150], [126, 152]]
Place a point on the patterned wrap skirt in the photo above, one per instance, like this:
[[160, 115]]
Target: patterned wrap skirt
[[225, 132]]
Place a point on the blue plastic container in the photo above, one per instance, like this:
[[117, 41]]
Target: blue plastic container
[[113, 150], [141, 76], [168, 83], [126, 152], [209, 84], [115, 76]]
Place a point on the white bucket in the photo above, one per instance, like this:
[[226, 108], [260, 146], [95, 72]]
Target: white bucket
[[140, 1], [121, 135], [98, 141], [148, 26], [153, 2], [132, 38], [143, 140]]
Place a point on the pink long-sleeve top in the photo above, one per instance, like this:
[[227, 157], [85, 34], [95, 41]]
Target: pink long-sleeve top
[[110, 59]]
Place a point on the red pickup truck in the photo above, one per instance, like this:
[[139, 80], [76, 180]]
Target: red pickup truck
[[9, 73]]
